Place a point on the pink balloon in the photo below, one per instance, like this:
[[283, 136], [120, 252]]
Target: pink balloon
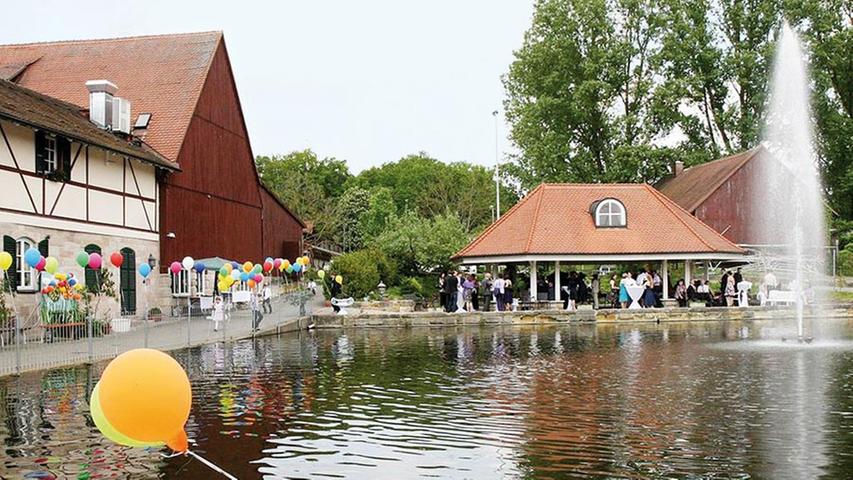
[[95, 261], [40, 265], [258, 278], [276, 263], [175, 267]]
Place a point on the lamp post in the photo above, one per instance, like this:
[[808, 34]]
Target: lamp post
[[381, 288], [497, 171]]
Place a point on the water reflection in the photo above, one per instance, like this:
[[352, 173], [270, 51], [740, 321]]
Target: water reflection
[[693, 400]]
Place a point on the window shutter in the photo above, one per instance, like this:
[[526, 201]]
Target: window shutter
[[44, 248], [41, 164], [63, 150], [10, 246]]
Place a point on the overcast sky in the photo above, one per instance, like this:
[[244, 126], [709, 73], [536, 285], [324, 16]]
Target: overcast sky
[[368, 81]]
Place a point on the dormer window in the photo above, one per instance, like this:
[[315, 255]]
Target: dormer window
[[53, 155], [609, 213]]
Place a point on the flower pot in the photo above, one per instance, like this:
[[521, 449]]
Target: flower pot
[[120, 325]]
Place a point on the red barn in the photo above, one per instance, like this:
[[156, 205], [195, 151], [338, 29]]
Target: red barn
[[719, 193], [186, 107]]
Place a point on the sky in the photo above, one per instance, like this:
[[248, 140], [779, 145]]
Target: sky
[[367, 81]]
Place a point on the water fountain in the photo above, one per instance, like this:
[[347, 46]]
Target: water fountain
[[789, 189]]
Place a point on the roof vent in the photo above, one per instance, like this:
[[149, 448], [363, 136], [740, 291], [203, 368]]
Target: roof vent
[[101, 102]]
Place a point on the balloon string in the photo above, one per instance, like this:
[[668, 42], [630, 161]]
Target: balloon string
[[211, 465]]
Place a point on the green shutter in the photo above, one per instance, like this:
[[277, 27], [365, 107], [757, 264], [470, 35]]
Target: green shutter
[[63, 151], [92, 283], [44, 248], [10, 246], [41, 164]]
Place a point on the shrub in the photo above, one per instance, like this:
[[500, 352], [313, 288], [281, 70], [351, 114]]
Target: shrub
[[845, 260], [359, 271]]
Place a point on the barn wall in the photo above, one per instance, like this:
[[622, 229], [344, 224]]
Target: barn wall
[[731, 209], [282, 232]]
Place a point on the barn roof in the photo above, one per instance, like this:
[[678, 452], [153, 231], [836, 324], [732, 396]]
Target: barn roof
[[31, 108], [695, 184], [161, 74], [555, 219]]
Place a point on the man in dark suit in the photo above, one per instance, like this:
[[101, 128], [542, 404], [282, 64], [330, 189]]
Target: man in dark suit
[[451, 283]]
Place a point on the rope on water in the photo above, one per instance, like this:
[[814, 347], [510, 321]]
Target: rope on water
[[203, 460]]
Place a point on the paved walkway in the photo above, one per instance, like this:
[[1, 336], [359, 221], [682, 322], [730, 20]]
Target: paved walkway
[[169, 334]]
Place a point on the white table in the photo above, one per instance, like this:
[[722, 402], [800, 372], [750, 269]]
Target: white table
[[635, 292]]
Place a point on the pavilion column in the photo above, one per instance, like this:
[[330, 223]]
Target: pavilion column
[[533, 282], [557, 285], [706, 270], [687, 279], [665, 268]]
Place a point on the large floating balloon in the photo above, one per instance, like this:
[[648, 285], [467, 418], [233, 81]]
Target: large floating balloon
[[145, 396], [32, 256], [5, 261], [144, 270]]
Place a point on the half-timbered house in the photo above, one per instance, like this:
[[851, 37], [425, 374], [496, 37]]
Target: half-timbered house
[[68, 185]]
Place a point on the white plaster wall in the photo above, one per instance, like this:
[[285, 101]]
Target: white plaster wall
[[105, 207], [22, 140], [105, 170]]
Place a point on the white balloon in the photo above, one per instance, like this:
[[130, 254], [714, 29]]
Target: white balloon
[[188, 263], [235, 274]]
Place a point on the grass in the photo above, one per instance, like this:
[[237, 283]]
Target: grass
[[841, 296]]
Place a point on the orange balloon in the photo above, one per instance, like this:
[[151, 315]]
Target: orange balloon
[[146, 395], [179, 443], [251, 283]]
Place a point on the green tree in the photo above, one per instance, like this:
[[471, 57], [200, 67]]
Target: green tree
[[351, 207], [308, 185], [359, 271], [422, 245], [380, 213]]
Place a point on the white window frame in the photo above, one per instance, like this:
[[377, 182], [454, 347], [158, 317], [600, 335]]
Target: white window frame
[[27, 275], [610, 218], [50, 157]]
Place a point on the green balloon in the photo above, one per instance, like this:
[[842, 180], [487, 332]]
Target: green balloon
[[82, 259], [107, 429], [223, 271], [257, 269]]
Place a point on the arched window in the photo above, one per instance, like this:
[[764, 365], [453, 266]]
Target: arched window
[[610, 213], [93, 283], [26, 274]]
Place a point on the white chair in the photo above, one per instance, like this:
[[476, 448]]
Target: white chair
[[787, 297]]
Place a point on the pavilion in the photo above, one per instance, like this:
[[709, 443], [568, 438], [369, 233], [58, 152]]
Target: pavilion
[[598, 224]]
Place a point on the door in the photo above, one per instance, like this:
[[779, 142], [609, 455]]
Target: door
[[128, 282]]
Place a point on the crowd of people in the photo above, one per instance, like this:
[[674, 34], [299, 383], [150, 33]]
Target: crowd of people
[[466, 292]]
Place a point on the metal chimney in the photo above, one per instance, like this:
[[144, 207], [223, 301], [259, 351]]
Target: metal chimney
[[101, 102]]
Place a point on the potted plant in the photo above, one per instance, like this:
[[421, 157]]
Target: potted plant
[[155, 314]]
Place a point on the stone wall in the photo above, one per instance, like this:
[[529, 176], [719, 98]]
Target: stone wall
[[440, 319]]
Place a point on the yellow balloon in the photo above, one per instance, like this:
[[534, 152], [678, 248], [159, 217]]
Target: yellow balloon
[[229, 267], [107, 429], [247, 267], [321, 274], [80, 286], [339, 279], [305, 260], [285, 264], [61, 277], [50, 265], [5, 261]]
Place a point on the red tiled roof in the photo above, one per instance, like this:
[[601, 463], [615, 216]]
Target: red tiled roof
[[36, 110], [162, 75], [556, 219], [695, 184]]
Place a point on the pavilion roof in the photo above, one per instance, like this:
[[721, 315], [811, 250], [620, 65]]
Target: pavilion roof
[[555, 219]]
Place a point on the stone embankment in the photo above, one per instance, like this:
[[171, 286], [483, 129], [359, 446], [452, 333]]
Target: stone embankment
[[324, 318]]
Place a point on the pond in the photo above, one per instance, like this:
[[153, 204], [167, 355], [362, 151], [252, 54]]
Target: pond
[[723, 400]]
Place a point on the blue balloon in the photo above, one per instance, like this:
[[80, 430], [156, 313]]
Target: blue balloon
[[72, 281], [144, 270], [297, 267], [244, 277], [32, 256], [236, 265], [52, 283], [269, 259], [199, 267]]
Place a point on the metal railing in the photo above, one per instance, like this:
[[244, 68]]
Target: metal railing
[[52, 337]]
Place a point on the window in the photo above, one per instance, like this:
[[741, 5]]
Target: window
[[49, 154], [93, 282], [610, 213], [26, 274]]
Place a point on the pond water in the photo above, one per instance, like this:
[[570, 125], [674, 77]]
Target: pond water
[[721, 400]]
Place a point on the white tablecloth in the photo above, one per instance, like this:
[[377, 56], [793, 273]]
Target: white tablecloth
[[635, 292]]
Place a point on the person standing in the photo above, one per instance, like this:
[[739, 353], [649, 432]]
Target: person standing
[[623, 290], [614, 291], [335, 291], [724, 280], [648, 300], [450, 285], [442, 295], [475, 295], [486, 286], [508, 294], [257, 316], [469, 291], [218, 314], [730, 291], [596, 288], [266, 294], [498, 290], [738, 277]]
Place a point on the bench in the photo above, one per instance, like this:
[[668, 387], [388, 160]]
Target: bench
[[781, 296]]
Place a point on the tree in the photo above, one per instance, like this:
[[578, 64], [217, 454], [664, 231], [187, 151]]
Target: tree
[[351, 206], [381, 212], [307, 184], [422, 245], [359, 271]]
